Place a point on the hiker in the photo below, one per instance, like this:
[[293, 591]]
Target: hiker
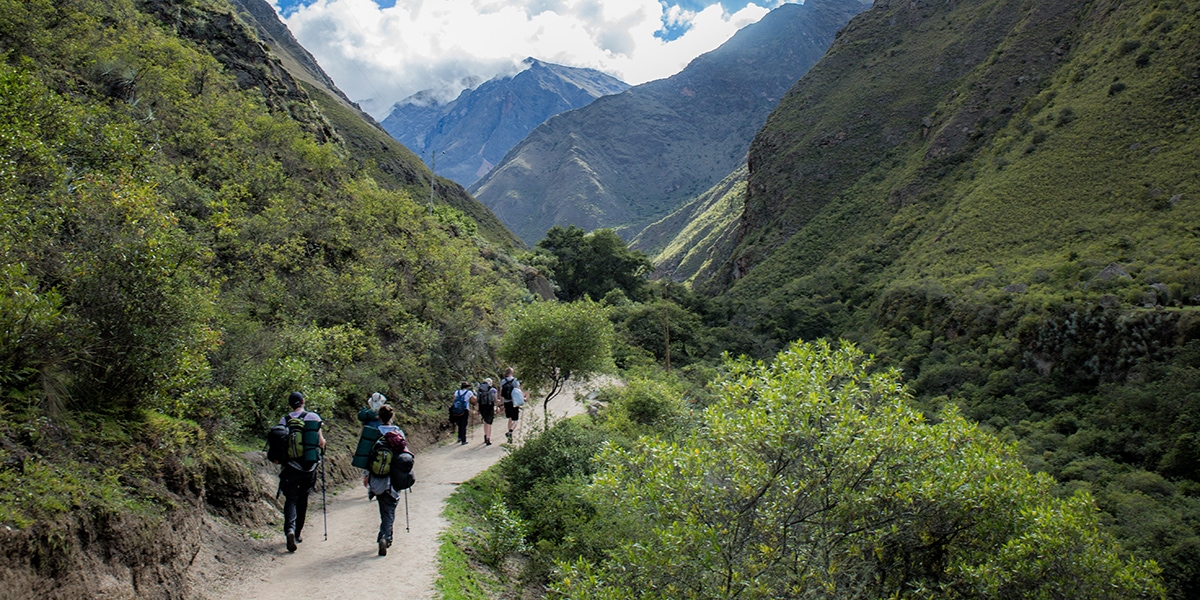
[[513, 412], [384, 486], [369, 416], [485, 397], [460, 410], [299, 475]]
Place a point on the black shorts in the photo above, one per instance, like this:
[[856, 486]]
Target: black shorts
[[487, 412], [512, 412]]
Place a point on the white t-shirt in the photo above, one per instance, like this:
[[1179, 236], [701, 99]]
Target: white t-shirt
[[309, 416]]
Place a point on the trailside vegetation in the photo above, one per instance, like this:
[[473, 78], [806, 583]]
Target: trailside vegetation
[[180, 247], [549, 343], [808, 476]]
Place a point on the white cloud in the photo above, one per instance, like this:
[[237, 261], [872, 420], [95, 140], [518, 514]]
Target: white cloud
[[378, 56]]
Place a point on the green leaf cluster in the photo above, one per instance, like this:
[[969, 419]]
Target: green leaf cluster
[[813, 477]]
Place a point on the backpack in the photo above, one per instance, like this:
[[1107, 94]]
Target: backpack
[[506, 388], [380, 462], [460, 405], [389, 458], [486, 394], [401, 475], [295, 437], [277, 439]]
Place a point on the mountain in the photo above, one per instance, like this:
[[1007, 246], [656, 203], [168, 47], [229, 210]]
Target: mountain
[[627, 160], [389, 162], [1000, 198], [471, 133]]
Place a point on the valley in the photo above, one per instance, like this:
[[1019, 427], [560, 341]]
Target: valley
[[905, 297]]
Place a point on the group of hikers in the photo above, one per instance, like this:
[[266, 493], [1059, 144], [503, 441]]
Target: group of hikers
[[298, 445]]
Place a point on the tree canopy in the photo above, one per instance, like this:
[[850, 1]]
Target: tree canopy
[[814, 478], [594, 264], [550, 342]]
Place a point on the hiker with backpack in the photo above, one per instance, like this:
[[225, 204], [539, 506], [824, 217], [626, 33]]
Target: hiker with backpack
[[485, 399], [305, 446], [460, 410], [511, 410], [388, 472]]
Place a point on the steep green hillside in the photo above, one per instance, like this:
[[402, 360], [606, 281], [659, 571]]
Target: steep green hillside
[[1001, 198], [387, 161], [692, 242], [187, 234]]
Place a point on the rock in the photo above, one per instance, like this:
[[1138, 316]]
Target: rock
[[1113, 271]]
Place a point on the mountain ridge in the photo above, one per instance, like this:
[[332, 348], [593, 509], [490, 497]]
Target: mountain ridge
[[474, 131], [629, 159]]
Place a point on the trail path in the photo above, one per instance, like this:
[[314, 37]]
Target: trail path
[[342, 566]]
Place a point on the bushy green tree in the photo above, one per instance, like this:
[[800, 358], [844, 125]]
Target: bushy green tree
[[551, 342], [593, 264], [814, 478]]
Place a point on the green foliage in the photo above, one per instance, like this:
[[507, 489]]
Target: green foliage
[[505, 534], [814, 478], [559, 452], [551, 342], [178, 243], [591, 265], [645, 406]]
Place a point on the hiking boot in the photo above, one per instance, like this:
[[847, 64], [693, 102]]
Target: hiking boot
[[508, 435], [291, 541], [462, 442], [487, 442], [389, 542], [383, 546], [298, 540]]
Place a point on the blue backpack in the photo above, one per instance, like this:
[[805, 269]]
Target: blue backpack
[[460, 405]]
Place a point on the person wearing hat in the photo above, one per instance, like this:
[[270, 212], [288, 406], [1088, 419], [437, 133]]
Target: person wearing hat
[[298, 477], [460, 410], [486, 400]]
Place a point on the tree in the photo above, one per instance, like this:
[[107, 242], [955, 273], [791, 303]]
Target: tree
[[550, 342], [814, 478], [594, 264]]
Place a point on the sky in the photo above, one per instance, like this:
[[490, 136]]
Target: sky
[[382, 51]]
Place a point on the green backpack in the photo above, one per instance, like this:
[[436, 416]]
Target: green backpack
[[295, 439]]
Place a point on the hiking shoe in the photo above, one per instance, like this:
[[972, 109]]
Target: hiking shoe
[[383, 546], [291, 541], [509, 436], [298, 540], [487, 442], [462, 442], [389, 542]]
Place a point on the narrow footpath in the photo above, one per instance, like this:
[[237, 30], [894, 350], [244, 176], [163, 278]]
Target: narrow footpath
[[347, 565]]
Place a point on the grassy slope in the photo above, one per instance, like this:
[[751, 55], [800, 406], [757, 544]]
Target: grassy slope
[[395, 167], [688, 243], [949, 187], [1028, 176]]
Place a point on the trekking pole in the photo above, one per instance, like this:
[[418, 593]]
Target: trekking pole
[[324, 505], [406, 510]]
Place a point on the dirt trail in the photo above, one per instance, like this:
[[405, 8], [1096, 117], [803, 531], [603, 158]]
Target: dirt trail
[[347, 565]]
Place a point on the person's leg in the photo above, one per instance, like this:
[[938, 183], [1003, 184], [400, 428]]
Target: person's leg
[[488, 413], [513, 413], [305, 487], [287, 485], [387, 518], [462, 429]]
